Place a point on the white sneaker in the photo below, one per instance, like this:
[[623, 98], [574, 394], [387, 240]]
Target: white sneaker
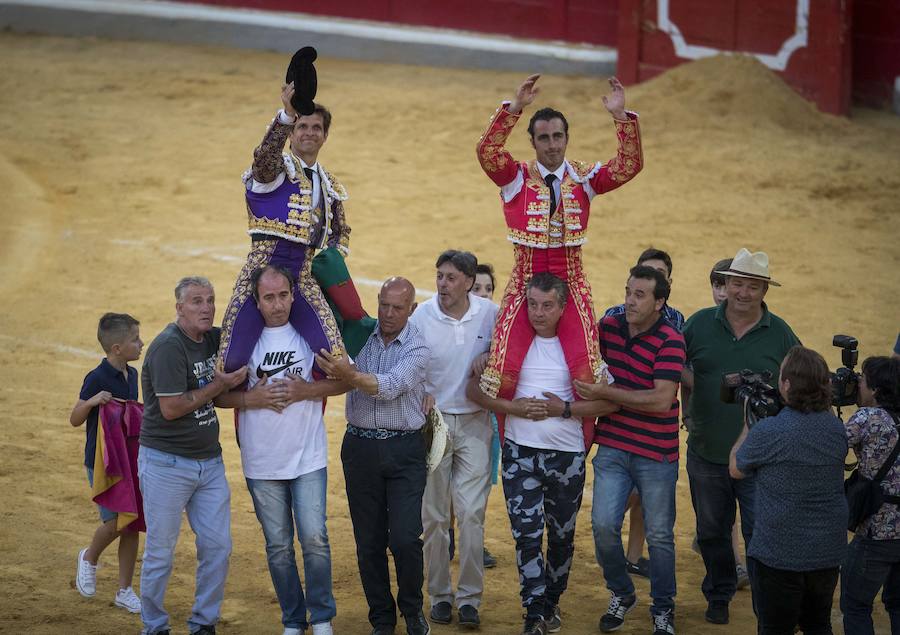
[[322, 628], [128, 600], [85, 576]]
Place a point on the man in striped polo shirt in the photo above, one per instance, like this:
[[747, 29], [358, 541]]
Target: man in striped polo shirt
[[638, 445]]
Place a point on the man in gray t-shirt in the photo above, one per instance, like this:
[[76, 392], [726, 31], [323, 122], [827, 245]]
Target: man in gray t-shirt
[[180, 460], [176, 364]]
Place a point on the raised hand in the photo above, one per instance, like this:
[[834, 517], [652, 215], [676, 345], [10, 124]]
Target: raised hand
[[525, 94], [287, 93], [615, 101]]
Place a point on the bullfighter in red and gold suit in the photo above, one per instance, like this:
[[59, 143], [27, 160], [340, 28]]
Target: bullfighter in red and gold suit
[[547, 202]]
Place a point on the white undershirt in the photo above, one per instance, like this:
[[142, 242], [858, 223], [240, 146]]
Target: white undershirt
[[285, 445], [544, 369]]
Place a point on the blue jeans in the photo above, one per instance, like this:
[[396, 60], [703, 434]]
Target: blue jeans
[[713, 493], [279, 505], [616, 473], [171, 484], [868, 566]]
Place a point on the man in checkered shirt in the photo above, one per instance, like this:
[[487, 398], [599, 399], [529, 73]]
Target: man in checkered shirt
[[384, 457]]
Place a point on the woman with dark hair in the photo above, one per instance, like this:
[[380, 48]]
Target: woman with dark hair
[[873, 557], [800, 531]]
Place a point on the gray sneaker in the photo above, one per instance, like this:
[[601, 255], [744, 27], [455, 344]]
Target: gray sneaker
[[664, 623]]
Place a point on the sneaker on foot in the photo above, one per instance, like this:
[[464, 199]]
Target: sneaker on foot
[[85, 576], [664, 623], [128, 600], [208, 629], [322, 628], [717, 612], [619, 606], [743, 578], [490, 561], [534, 626], [641, 567], [552, 618]]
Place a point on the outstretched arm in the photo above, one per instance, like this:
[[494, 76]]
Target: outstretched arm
[[629, 159], [525, 95], [496, 162], [267, 162]]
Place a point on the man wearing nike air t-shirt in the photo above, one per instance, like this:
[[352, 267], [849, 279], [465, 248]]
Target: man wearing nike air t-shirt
[[284, 455]]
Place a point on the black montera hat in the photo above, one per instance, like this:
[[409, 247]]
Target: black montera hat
[[302, 72]]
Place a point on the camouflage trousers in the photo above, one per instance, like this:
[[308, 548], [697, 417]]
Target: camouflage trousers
[[543, 488]]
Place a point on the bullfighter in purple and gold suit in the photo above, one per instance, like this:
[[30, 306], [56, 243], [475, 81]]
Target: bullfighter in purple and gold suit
[[546, 202], [295, 210]]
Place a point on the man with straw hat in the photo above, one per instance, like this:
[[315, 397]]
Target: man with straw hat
[[741, 333]]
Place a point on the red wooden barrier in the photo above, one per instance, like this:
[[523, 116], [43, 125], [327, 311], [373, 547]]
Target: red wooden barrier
[[589, 21]]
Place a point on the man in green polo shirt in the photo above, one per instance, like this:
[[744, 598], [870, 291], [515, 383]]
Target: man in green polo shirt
[[739, 333]]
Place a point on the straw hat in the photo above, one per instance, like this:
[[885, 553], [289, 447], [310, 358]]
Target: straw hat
[[747, 265]]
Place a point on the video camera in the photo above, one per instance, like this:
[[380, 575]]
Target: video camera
[[754, 392]]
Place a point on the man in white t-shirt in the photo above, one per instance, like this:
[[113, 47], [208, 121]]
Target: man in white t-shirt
[[457, 326], [544, 448], [284, 455]]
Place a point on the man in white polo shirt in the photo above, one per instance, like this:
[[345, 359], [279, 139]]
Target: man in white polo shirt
[[545, 439], [457, 326], [284, 455]]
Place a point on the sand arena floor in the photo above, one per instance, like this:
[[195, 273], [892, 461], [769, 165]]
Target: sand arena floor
[[120, 168]]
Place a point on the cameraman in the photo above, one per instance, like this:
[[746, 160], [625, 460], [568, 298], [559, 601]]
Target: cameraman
[[739, 333], [800, 530], [873, 557]]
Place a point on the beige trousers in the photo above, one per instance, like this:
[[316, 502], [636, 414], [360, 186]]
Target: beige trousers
[[463, 479]]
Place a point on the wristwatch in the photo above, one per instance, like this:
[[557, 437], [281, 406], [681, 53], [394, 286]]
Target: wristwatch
[[567, 410]]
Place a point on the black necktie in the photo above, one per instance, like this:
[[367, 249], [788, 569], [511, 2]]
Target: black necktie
[[320, 225], [550, 179]]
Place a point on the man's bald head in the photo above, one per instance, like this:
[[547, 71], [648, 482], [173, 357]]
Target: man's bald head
[[401, 284], [396, 302]]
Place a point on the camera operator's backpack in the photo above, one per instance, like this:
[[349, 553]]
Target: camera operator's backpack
[[865, 496]]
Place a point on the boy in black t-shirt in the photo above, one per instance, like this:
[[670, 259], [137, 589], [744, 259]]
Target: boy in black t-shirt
[[119, 335]]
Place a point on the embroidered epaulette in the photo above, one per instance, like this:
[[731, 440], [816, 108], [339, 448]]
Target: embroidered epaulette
[[335, 187]]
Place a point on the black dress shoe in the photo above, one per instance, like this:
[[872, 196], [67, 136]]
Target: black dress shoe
[[442, 613], [383, 629], [417, 624], [468, 616], [717, 612]]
